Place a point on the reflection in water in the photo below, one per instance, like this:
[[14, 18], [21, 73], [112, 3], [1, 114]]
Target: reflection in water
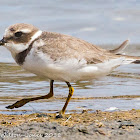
[[16, 83]]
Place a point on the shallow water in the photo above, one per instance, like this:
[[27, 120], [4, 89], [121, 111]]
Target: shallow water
[[16, 83], [98, 22]]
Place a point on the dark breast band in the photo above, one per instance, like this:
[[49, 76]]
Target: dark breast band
[[20, 57]]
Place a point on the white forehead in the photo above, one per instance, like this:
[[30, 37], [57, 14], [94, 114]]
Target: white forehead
[[7, 32]]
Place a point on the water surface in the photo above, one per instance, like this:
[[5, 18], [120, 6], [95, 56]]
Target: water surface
[[99, 22]]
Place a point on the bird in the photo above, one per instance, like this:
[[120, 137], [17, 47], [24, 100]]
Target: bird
[[60, 57]]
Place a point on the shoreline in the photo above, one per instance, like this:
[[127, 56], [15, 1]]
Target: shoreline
[[96, 125], [86, 117]]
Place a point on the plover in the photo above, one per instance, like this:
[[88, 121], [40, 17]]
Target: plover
[[59, 57]]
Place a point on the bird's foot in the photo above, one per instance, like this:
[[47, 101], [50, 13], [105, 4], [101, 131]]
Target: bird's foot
[[59, 115], [18, 104]]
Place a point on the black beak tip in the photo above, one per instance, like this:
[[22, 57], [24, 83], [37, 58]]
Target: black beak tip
[[2, 42]]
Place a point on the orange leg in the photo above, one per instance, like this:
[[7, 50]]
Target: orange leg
[[26, 100], [71, 90]]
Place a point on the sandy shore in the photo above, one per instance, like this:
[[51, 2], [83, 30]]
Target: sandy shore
[[120, 125]]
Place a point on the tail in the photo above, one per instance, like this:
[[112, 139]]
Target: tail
[[127, 59], [120, 48]]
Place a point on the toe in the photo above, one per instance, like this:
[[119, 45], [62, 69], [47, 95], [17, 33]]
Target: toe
[[9, 107], [59, 116]]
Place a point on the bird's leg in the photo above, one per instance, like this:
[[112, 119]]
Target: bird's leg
[[71, 90], [26, 100]]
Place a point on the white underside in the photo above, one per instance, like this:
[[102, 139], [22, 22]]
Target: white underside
[[68, 70]]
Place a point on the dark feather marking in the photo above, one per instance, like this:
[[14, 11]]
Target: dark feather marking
[[136, 62], [94, 61], [20, 57]]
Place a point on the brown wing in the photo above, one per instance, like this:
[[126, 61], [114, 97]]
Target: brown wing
[[59, 46]]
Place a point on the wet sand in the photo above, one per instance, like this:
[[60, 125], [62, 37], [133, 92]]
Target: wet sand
[[120, 125]]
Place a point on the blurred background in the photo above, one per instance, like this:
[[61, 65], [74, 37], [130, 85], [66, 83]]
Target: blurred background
[[102, 22], [97, 21]]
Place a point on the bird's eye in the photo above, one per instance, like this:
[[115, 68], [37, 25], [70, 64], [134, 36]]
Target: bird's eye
[[18, 34]]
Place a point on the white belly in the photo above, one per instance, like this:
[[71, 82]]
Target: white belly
[[67, 70]]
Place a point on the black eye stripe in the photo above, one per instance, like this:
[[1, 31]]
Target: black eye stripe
[[18, 34]]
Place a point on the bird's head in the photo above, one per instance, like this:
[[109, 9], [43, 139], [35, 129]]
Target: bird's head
[[18, 37]]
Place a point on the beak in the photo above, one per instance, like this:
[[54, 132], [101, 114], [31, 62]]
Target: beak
[[2, 42]]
